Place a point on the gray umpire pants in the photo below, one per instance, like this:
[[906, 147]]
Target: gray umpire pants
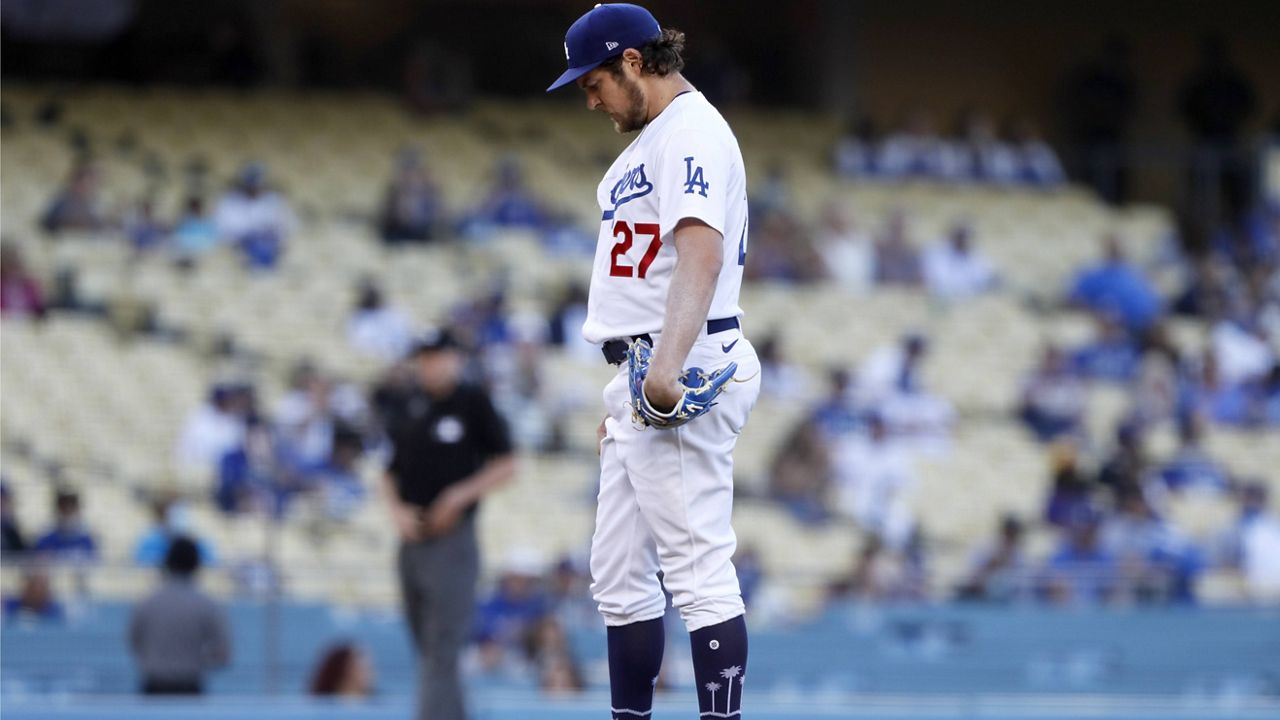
[[438, 587]]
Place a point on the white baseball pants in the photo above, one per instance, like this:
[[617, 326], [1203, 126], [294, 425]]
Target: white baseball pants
[[666, 500]]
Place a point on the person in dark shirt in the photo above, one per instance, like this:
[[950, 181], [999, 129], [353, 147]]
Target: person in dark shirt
[[450, 451]]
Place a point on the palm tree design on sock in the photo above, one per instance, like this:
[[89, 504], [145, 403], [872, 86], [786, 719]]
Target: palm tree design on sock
[[729, 674], [713, 687]]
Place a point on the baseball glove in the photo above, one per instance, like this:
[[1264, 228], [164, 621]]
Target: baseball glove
[[700, 391]]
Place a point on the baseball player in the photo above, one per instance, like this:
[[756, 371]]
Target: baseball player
[[663, 306]]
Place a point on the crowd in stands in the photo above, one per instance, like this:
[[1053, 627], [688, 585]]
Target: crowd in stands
[[851, 458], [976, 152]]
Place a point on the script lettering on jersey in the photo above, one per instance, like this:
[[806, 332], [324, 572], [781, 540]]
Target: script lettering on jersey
[[693, 178], [632, 185]]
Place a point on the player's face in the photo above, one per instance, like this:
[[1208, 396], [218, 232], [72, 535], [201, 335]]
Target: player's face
[[619, 96]]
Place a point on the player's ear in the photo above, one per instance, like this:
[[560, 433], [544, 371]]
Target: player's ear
[[632, 56]]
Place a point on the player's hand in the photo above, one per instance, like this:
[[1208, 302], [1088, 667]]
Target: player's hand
[[601, 433], [662, 390], [445, 512], [408, 520]]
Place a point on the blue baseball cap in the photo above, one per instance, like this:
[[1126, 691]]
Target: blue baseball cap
[[605, 31]]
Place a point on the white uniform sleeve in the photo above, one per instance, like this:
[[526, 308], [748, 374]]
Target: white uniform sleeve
[[692, 180]]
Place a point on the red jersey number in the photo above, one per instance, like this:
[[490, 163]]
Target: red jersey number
[[626, 238]]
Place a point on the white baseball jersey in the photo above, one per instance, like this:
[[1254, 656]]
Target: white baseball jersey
[[684, 164]]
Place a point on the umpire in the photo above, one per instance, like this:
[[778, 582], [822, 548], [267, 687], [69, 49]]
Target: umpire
[[450, 451]]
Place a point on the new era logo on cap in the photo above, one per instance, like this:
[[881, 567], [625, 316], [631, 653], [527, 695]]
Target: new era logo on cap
[[603, 32]]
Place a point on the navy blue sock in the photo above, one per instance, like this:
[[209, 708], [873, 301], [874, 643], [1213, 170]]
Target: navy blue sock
[[635, 657], [720, 667]]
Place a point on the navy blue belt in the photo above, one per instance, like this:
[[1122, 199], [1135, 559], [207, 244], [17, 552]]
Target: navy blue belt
[[615, 351]]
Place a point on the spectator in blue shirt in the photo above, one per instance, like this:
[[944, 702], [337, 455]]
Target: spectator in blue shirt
[[836, 415], [35, 602], [68, 539], [1115, 286], [506, 616], [1111, 355], [1191, 466], [1081, 571], [172, 520]]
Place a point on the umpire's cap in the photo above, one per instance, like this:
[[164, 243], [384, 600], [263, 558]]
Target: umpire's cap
[[603, 32], [433, 340]]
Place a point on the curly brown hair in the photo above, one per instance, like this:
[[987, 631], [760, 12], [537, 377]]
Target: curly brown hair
[[659, 57]]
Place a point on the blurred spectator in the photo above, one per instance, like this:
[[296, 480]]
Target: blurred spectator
[[846, 250], [1097, 104], [897, 261], [1117, 287], [1216, 101], [377, 329], [569, 594], [254, 476], [893, 369], [565, 328], [1155, 563], [512, 611], [144, 230], [953, 270], [172, 520], [1191, 467], [855, 152], [836, 415], [1266, 400], [1112, 355], [343, 671], [1124, 468], [998, 571], [1038, 163], [337, 481], [1081, 571], [35, 602], [68, 539], [1071, 494], [12, 543], [78, 205], [891, 382], [780, 249], [779, 378], [214, 429], [880, 573], [178, 633], [509, 203], [1206, 393], [194, 234], [255, 219], [306, 418], [20, 294], [914, 151], [801, 473], [874, 475], [547, 650], [1053, 398], [1252, 544], [412, 209], [773, 194], [989, 159], [1241, 352]]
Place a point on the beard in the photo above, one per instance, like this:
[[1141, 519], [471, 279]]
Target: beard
[[633, 117]]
